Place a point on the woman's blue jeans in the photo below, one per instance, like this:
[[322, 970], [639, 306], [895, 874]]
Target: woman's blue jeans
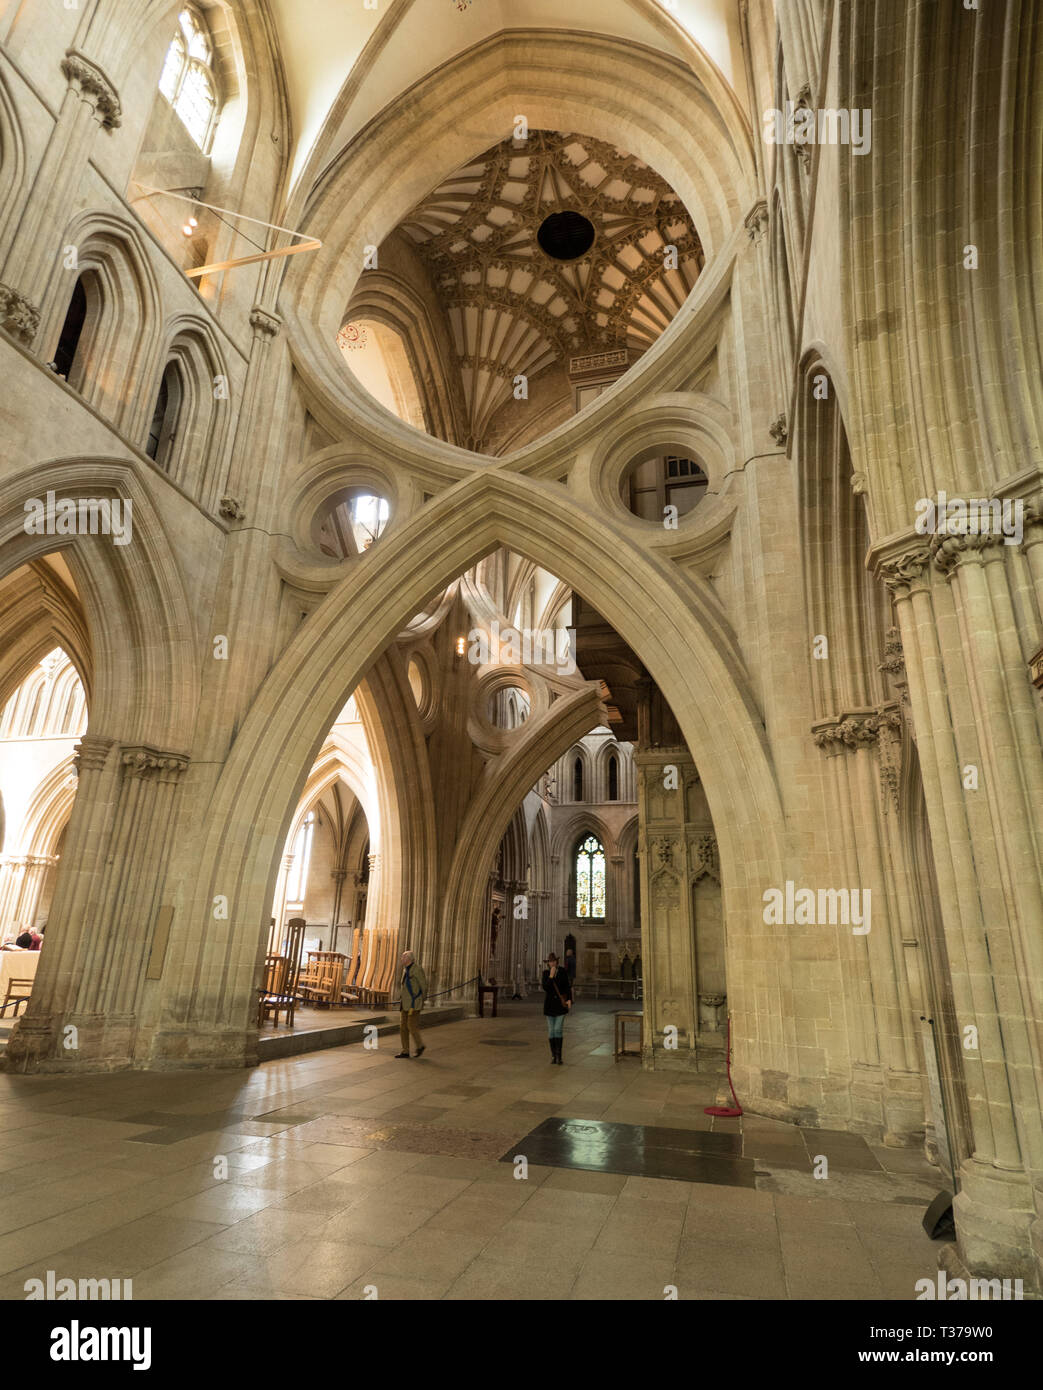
[[555, 1025]]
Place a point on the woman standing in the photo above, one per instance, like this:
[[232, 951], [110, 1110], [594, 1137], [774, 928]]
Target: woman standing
[[557, 989]]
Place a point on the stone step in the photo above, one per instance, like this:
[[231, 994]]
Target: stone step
[[340, 1034]]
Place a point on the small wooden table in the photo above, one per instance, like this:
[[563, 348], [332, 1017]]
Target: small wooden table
[[620, 1045], [483, 990]]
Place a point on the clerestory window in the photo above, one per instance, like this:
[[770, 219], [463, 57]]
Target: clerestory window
[[187, 80]]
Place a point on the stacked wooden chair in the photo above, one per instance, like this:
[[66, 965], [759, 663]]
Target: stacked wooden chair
[[378, 966], [278, 993], [321, 980], [349, 985]]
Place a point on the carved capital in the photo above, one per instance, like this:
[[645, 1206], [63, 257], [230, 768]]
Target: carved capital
[[143, 761], [779, 431], [857, 728], [231, 509], [756, 221], [264, 323], [91, 753], [18, 316], [950, 552], [88, 81], [902, 571]]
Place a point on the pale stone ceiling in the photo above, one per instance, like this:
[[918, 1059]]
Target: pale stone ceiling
[[327, 44]]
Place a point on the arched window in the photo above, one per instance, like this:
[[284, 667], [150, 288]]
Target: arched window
[[577, 780], [298, 878], [72, 331], [187, 80], [613, 778], [165, 416], [590, 878], [369, 516]]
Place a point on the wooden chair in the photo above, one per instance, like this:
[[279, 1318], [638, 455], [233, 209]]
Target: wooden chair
[[18, 992], [349, 989], [385, 976], [278, 993], [325, 972], [368, 965]]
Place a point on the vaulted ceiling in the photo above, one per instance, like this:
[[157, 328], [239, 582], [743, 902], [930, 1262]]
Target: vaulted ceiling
[[515, 308]]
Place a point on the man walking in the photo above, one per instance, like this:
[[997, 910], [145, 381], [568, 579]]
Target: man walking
[[413, 992]]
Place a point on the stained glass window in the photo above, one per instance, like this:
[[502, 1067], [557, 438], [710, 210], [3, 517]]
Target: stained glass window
[[187, 82], [590, 878]]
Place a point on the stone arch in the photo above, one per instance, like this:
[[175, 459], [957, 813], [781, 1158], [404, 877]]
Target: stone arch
[[539, 854], [120, 341], [253, 802], [608, 750], [39, 612], [12, 168], [494, 809], [49, 809], [386, 298], [846, 604], [469, 103], [203, 428], [578, 753], [144, 668]]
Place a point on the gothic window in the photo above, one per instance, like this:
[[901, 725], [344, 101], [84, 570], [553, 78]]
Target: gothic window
[[165, 416], [187, 80], [577, 780], [298, 877], [613, 778], [72, 331], [590, 878]]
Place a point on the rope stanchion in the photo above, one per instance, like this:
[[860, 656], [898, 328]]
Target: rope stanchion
[[452, 989], [728, 1111]]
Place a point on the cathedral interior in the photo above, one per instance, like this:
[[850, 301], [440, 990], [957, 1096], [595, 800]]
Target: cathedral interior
[[557, 493]]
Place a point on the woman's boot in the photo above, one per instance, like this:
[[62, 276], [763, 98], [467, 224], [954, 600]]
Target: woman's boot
[[553, 1050], [557, 1050]]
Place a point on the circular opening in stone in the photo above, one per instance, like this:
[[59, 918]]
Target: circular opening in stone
[[566, 235], [651, 485], [508, 707]]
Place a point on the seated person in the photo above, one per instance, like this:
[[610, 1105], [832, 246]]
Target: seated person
[[25, 941]]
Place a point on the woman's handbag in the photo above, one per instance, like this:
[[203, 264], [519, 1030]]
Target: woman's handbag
[[565, 1005]]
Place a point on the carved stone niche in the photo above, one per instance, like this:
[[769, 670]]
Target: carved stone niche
[[711, 1011]]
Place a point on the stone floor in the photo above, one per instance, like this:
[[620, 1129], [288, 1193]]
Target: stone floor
[[326, 1175]]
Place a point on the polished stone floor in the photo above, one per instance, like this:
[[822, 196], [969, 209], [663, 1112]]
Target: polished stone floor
[[336, 1173]]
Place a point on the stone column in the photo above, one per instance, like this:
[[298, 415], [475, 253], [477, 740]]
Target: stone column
[[107, 928], [977, 737], [887, 1077], [667, 928], [91, 103], [615, 900]]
